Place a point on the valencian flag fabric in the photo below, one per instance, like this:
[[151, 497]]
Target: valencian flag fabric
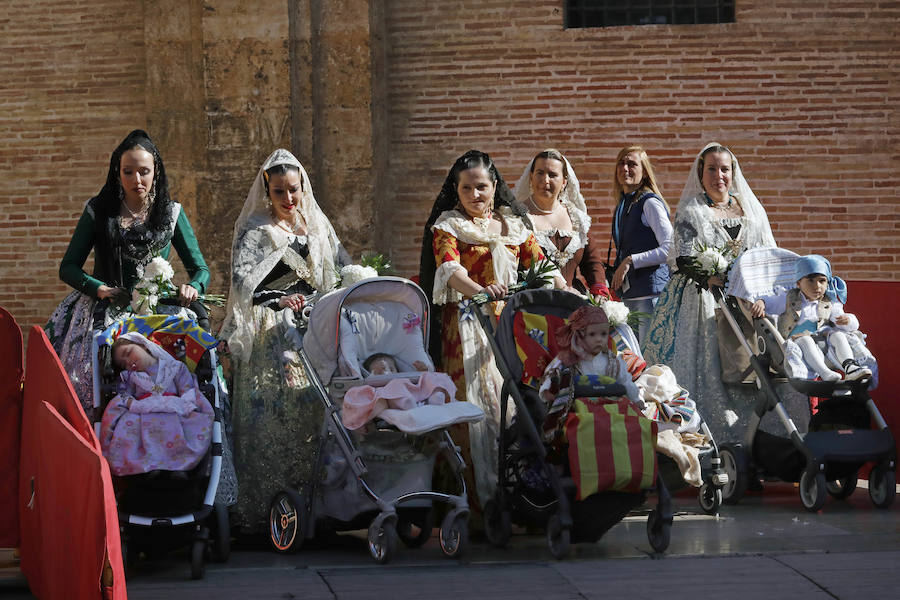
[[169, 332], [535, 337], [611, 447]]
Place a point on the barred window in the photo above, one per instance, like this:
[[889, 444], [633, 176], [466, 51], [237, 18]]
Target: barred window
[[613, 13]]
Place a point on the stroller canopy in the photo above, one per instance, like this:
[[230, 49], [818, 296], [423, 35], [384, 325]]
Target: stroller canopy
[[761, 272], [398, 304]]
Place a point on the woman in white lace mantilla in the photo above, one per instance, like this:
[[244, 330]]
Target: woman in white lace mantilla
[[717, 210], [284, 251], [550, 192], [475, 241]]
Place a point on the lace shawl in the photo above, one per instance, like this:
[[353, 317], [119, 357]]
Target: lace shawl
[[467, 231], [696, 224], [259, 245]]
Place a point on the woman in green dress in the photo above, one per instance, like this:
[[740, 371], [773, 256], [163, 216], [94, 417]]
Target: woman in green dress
[[284, 252], [129, 222]]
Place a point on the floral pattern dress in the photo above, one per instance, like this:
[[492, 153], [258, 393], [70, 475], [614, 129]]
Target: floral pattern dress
[[466, 356]]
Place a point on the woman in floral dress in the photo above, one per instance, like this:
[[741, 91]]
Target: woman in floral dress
[[475, 241]]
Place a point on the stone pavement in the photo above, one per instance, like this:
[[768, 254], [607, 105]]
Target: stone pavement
[[767, 547]]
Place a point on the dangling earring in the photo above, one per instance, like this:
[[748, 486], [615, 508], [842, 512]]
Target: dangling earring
[[151, 196], [121, 193]]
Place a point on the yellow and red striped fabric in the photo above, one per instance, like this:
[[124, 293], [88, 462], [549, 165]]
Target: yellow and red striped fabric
[[611, 447]]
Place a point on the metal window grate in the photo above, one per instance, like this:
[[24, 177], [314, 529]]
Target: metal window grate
[[615, 13]]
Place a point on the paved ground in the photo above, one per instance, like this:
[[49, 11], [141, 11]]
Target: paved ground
[[768, 547]]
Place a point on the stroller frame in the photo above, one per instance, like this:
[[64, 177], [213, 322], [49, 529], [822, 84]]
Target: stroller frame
[[559, 523], [202, 536], [292, 517], [831, 457]]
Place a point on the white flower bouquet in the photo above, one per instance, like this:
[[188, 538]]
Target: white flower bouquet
[[155, 283], [351, 274], [618, 313], [708, 262]]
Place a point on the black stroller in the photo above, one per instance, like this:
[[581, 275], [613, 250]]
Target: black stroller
[[551, 502], [840, 440], [168, 510]]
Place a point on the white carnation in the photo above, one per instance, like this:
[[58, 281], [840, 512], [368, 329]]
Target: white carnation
[[616, 312], [351, 274], [712, 262], [159, 267], [152, 288], [152, 300]]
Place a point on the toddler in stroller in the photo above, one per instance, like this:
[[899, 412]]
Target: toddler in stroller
[[159, 420], [811, 318], [161, 432], [841, 437]]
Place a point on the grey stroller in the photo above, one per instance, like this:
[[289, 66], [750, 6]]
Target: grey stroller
[[378, 477]]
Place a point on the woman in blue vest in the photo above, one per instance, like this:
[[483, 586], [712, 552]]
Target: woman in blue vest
[[642, 233]]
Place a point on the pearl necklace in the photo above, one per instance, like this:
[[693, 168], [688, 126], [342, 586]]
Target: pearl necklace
[[540, 210], [484, 222]]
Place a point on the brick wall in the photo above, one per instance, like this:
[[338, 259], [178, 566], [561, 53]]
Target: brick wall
[[71, 84], [806, 97]]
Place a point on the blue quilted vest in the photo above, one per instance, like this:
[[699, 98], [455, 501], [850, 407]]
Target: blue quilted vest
[[631, 236]]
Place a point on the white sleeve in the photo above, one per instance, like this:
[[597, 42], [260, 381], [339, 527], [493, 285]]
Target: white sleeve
[[775, 305], [657, 219]]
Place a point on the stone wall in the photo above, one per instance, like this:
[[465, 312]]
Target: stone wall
[[377, 98]]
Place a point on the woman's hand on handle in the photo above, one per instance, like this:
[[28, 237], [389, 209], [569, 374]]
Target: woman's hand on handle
[[621, 272], [495, 290], [187, 294], [295, 302], [758, 309], [116, 295]]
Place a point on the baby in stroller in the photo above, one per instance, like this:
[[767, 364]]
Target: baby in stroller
[[812, 320], [159, 420], [385, 364], [584, 348]]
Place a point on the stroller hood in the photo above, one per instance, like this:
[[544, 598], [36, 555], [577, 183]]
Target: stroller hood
[[322, 339]]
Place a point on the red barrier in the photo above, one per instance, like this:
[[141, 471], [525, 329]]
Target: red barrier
[[11, 376], [877, 306], [67, 507]]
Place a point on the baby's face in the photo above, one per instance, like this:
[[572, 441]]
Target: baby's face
[[596, 338], [813, 286], [382, 365], [133, 357]]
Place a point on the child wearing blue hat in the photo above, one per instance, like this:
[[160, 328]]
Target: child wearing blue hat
[[812, 316]]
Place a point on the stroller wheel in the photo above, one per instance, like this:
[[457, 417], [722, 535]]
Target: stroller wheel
[[454, 535], [559, 540], [198, 558], [286, 521], [222, 537], [424, 525], [710, 498], [841, 488], [812, 490], [734, 463], [383, 541], [882, 486], [659, 533], [497, 525]]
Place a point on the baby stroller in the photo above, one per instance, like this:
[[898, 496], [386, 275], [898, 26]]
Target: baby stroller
[[380, 478], [530, 490], [840, 441], [160, 512]]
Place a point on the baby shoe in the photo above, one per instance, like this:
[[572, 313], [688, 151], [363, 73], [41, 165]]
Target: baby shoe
[[854, 372]]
